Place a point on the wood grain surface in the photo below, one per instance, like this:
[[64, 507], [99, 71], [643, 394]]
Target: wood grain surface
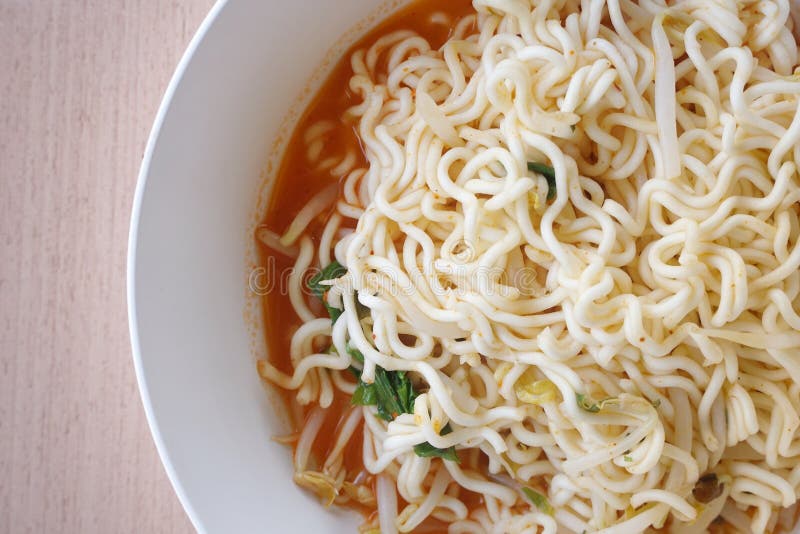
[[80, 82]]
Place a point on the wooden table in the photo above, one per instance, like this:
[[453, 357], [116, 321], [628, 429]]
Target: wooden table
[[80, 82]]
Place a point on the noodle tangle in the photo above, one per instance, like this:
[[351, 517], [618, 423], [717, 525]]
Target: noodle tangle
[[597, 347]]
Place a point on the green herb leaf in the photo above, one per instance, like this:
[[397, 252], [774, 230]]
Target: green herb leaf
[[354, 353], [627, 458], [586, 404], [426, 450], [550, 175], [330, 272], [656, 403], [388, 393], [364, 395], [392, 394], [353, 369], [395, 394], [405, 392], [539, 500]]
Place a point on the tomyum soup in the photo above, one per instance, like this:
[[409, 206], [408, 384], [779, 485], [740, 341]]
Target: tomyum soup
[[542, 270]]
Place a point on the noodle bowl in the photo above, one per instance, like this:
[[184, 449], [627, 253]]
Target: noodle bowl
[[561, 283]]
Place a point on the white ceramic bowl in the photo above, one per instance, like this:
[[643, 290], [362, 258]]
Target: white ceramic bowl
[[194, 325], [190, 252]]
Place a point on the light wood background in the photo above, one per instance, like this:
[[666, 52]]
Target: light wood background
[[80, 82]]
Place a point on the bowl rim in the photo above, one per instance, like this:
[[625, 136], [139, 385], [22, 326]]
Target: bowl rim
[[133, 235]]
